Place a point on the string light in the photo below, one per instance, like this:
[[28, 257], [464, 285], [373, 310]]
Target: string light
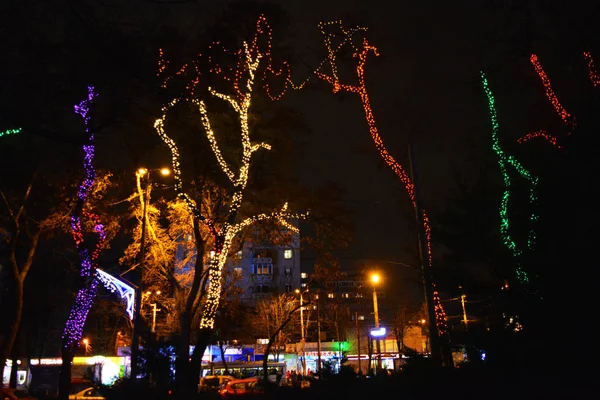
[[441, 319], [506, 161], [10, 132], [236, 74], [361, 89], [87, 294], [592, 71], [246, 68], [543, 134], [564, 115], [113, 284]]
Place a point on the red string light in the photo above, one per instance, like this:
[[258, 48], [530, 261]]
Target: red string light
[[566, 117], [593, 72], [260, 47], [361, 90], [543, 134]]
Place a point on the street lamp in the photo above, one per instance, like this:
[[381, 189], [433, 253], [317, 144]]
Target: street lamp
[[375, 279], [302, 337], [88, 347], [142, 176]]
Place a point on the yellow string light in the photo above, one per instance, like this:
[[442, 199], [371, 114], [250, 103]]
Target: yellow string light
[[247, 67]]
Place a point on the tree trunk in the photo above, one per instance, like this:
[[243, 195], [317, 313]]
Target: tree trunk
[[183, 354], [13, 330], [196, 363], [222, 349], [64, 380]]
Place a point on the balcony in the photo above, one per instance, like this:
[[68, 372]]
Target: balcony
[[262, 278], [262, 260]]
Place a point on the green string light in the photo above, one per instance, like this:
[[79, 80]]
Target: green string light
[[10, 132], [505, 161]]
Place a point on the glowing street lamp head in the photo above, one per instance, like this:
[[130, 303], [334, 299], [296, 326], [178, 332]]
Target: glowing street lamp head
[[375, 278], [165, 171], [297, 291], [86, 341], [142, 171]]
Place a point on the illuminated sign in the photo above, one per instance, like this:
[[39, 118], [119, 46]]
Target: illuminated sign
[[378, 332]]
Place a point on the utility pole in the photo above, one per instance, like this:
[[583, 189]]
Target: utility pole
[[358, 341], [434, 338], [135, 347], [154, 310], [376, 312], [318, 337], [462, 300]]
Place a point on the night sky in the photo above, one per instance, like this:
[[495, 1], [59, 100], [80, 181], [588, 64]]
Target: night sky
[[425, 87]]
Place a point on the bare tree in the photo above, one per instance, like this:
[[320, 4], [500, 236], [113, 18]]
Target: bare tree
[[272, 319]]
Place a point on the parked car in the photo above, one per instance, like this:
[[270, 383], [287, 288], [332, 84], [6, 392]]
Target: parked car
[[241, 387], [212, 383], [15, 394], [90, 393]]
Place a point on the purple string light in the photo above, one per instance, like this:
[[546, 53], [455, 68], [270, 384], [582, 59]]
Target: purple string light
[[87, 294]]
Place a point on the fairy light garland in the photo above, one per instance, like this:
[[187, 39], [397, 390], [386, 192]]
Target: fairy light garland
[[73, 330], [564, 115], [543, 134], [441, 318], [249, 60], [361, 89], [10, 132], [125, 291], [235, 75], [592, 71], [504, 162]]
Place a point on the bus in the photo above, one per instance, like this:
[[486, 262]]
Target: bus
[[242, 370]]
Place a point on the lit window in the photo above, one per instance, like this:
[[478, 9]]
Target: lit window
[[287, 254], [237, 272], [361, 317], [304, 275], [288, 272], [331, 295], [263, 269], [346, 295], [262, 341], [239, 254]]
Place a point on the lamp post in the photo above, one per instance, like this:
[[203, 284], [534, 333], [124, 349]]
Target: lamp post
[[375, 278], [88, 347], [135, 350], [302, 337]]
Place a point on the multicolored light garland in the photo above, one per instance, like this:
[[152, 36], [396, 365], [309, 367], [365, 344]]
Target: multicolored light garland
[[10, 132], [506, 161], [361, 90], [86, 295], [234, 75], [247, 66]]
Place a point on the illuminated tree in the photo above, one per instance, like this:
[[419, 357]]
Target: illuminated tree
[[271, 320], [235, 166], [361, 53], [507, 162]]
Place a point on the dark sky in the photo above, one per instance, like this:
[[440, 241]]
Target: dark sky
[[424, 86]]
